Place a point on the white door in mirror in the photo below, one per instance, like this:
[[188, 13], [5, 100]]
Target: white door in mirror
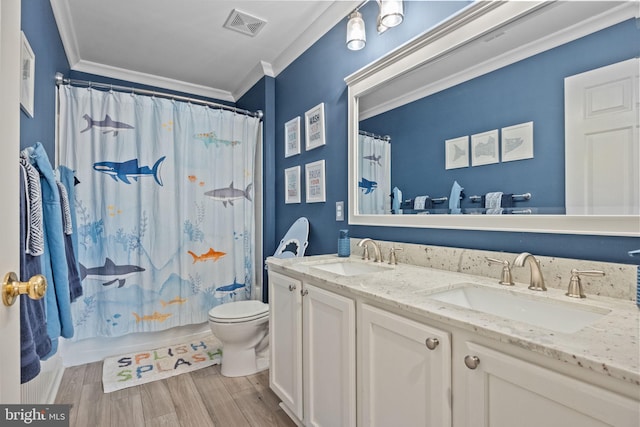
[[601, 150]]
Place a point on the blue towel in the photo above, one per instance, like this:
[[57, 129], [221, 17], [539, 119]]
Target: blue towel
[[75, 287], [454, 198], [34, 340], [54, 262], [396, 200]]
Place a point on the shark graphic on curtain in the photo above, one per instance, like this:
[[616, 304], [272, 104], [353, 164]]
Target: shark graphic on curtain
[[374, 181], [164, 205]]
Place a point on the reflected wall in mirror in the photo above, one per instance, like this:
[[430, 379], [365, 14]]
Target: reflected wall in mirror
[[531, 89]]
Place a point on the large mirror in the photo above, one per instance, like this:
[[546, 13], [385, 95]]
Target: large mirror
[[470, 120]]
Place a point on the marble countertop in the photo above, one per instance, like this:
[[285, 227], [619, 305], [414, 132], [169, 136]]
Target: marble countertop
[[610, 345]]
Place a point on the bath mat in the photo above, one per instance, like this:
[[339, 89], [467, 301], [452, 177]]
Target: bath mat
[[142, 367]]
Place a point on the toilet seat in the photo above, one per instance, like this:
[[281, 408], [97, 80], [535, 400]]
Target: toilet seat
[[239, 311]]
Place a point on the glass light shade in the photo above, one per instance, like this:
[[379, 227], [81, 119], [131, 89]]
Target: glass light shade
[[391, 12], [356, 37]]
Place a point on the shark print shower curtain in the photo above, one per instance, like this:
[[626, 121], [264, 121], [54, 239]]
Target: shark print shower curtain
[[164, 208], [374, 181]]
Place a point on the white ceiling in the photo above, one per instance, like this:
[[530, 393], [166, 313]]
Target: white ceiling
[[182, 45]]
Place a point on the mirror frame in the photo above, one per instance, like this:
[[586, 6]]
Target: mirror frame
[[475, 22]]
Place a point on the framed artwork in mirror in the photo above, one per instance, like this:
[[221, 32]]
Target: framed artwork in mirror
[[457, 152], [484, 148], [292, 185], [314, 177], [27, 77], [517, 142], [292, 137], [314, 127]]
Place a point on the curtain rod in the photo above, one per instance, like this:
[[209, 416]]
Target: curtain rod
[[61, 80], [373, 135]]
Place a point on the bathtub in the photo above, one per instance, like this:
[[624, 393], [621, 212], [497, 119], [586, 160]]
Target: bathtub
[[95, 349]]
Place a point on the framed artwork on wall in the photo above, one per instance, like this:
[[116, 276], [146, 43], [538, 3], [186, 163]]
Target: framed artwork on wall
[[484, 148], [457, 152], [314, 127], [27, 76], [517, 142], [314, 177], [292, 137], [292, 185]]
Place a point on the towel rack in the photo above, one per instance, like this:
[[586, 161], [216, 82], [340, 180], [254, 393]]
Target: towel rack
[[525, 196]]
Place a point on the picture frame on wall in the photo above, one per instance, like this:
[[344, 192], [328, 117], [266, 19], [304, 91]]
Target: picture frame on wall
[[292, 185], [292, 137], [314, 124], [315, 182], [27, 75], [517, 142], [484, 148], [457, 152]]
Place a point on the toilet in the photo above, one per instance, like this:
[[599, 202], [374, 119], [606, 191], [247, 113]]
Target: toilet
[[242, 327]]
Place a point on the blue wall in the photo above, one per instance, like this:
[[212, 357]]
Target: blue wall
[[318, 76], [530, 90], [41, 31]]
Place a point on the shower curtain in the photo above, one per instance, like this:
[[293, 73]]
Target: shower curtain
[[165, 221], [374, 169]]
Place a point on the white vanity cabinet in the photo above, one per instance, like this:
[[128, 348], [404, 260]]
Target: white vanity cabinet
[[404, 371], [313, 355], [499, 390]]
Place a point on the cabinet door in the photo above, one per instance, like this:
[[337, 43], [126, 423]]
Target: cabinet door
[[329, 358], [503, 391], [403, 382], [285, 335]]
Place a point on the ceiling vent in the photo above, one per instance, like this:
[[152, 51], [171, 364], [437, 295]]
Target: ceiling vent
[[244, 23]]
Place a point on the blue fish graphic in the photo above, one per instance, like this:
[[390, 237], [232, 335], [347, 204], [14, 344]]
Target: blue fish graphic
[[374, 159], [110, 272], [229, 194], [130, 169], [367, 186], [107, 125], [231, 289]]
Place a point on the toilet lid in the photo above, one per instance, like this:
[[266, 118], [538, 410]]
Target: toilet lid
[[239, 311]]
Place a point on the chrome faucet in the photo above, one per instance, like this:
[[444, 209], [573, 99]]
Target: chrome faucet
[[537, 281], [376, 249]]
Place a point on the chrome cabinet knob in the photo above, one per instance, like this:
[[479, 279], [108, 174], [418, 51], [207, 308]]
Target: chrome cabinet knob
[[292, 288], [472, 362], [432, 343], [303, 292]]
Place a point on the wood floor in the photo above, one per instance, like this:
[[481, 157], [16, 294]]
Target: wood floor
[[199, 398]]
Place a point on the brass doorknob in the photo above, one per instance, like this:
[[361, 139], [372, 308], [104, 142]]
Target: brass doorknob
[[35, 288]]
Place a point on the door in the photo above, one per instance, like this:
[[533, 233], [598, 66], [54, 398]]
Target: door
[[285, 341], [9, 223], [329, 358], [601, 148], [502, 391], [405, 372]]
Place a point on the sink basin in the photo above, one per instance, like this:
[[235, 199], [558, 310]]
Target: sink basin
[[559, 317], [347, 268]]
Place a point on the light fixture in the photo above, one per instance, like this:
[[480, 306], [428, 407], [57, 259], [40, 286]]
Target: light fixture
[[391, 12], [356, 37]]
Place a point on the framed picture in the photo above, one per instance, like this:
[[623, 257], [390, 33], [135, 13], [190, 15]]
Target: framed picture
[[28, 61], [517, 142], [292, 137], [484, 148], [314, 127], [457, 152], [292, 185], [314, 176]]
